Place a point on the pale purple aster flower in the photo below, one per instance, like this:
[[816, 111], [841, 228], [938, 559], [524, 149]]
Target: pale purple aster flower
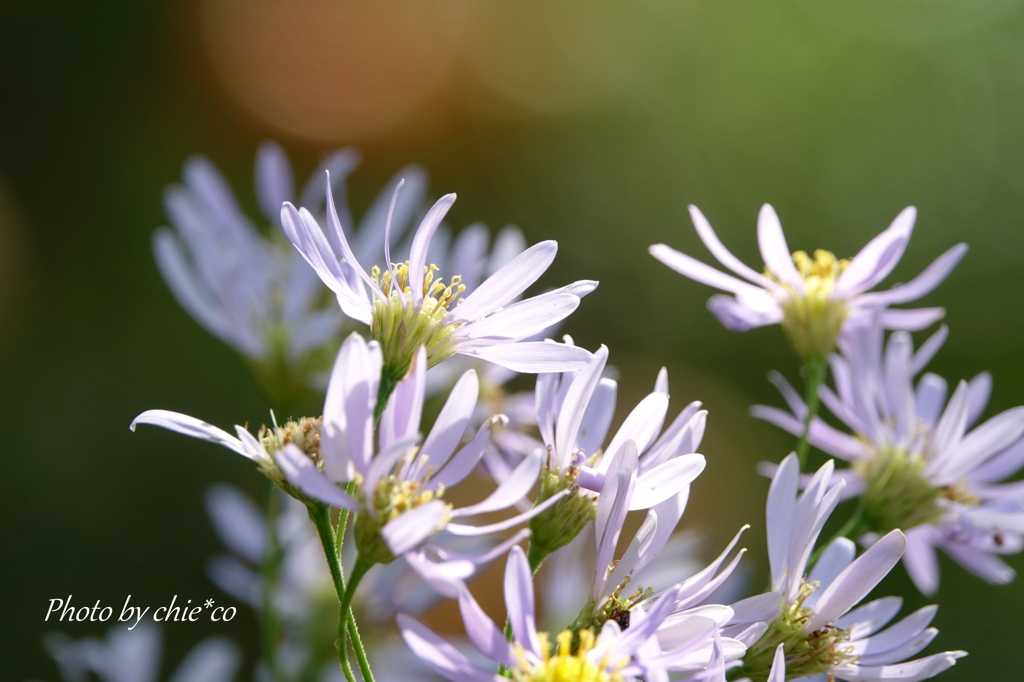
[[615, 588], [134, 656], [399, 496], [822, 633], [612, 655], [812, 298], [920, 462], [574, 412], [407, 305], [246, 287]]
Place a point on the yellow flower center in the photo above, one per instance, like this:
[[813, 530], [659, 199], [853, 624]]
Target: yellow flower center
[[812, 319], [563, 665], [401, 327], [392, 497]]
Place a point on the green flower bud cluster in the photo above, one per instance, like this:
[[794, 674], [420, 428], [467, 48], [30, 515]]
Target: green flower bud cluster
[[559, 524]]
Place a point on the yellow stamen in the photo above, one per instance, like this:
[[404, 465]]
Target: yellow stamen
[[811, 319], [565, 666]]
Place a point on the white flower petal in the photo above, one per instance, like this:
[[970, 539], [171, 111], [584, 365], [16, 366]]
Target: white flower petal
[[190, 426], [303, 474], [512, 489], [641, 426], [439, 654], [666, 480], [409, 529], [421, 242], [878, 258], [507, 283], [857, 580], [923, 284], [450, 425], [724, 256], [520, 320], [532, 357], [774, 250]]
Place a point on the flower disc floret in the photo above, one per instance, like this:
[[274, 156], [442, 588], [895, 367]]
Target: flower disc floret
[[806, 653], [897, 494], [392, 497], [811, 319], [564, 664], [400, 326], [304, 434]]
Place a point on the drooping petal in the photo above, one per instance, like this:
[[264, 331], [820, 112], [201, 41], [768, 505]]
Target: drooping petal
[[195, 428], [737, 315]]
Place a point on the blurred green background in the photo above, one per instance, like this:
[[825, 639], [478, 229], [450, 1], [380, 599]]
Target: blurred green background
[[594, 123]]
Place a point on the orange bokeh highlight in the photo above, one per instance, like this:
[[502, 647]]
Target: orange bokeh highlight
[[332, 70]]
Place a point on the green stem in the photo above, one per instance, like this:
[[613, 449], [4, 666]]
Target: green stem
[[817, 369], [358, 572], [320, 514], [269, 624], [353, 629]]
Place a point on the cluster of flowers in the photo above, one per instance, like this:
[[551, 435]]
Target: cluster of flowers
[[449, 316]]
